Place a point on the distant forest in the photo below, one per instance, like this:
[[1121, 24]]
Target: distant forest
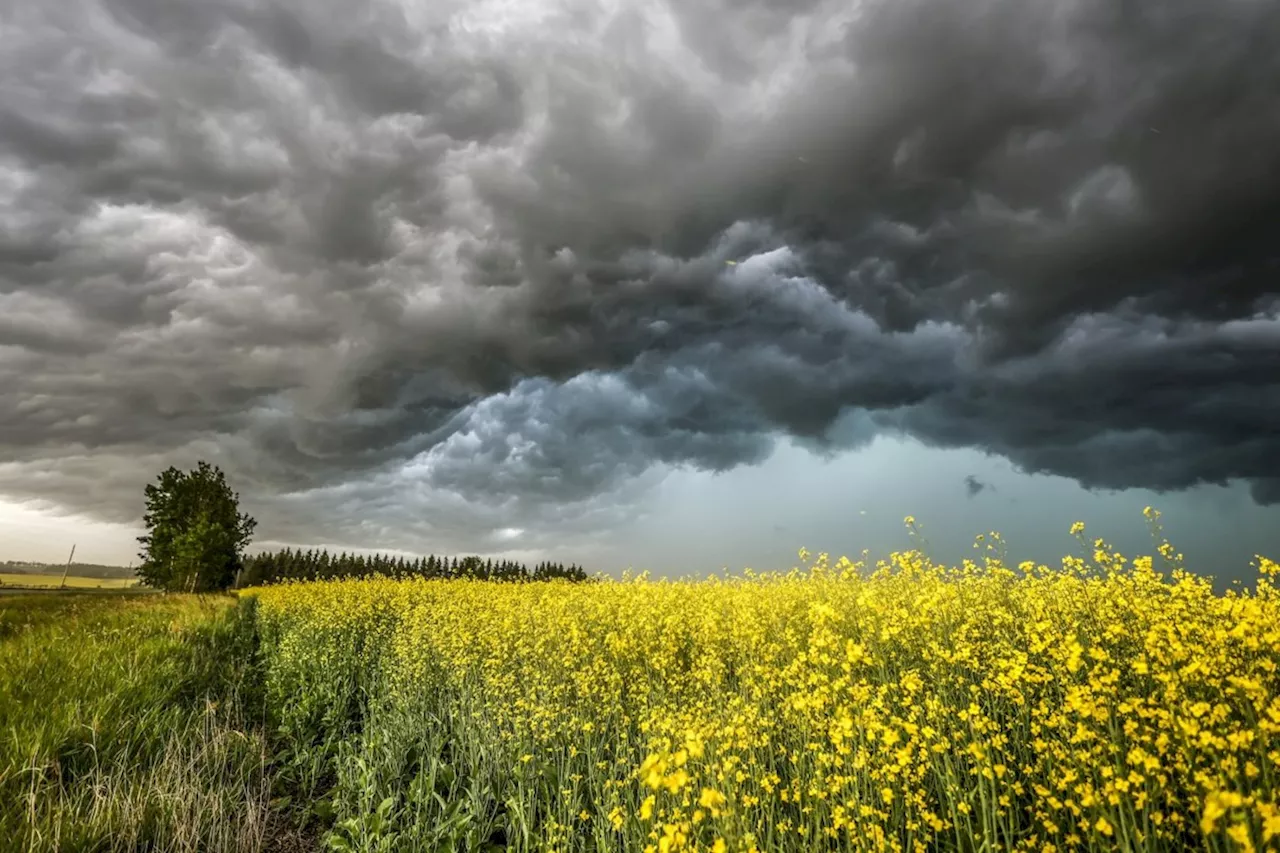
[[81, 570], [286, 565]]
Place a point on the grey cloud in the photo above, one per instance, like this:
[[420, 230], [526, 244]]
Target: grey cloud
[[490, 245], [1159, 403], [973, 486]]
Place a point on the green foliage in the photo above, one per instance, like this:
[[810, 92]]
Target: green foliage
[[196, 534], [276, 566]]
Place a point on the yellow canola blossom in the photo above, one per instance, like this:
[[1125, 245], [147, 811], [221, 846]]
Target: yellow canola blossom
[[902, 706]]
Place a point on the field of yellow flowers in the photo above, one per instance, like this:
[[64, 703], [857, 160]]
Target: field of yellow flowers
[[1101, 705]]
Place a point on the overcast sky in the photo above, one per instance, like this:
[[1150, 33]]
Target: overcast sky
[[671, 284]]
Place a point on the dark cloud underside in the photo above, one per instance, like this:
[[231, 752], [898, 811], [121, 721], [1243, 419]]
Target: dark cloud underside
[[489, 247]]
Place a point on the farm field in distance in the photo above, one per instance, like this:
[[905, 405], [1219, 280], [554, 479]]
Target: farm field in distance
[[13, 579], [1107, 704], [18, 574]]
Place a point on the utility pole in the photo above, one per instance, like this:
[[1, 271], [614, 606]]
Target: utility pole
[[63, 585]]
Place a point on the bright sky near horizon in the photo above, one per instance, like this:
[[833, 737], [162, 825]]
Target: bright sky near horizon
[[758, 516]]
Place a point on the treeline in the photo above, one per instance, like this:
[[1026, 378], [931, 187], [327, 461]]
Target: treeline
[[278, 566], [83, 570]]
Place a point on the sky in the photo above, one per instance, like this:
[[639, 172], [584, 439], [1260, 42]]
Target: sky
[[671, 285]]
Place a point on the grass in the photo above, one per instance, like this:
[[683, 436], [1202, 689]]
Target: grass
[[33, 580], [129, 724]]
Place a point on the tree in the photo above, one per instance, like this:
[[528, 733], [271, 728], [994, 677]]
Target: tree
[[196, 534]]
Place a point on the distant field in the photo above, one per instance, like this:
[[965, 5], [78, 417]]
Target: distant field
[[41, 580]]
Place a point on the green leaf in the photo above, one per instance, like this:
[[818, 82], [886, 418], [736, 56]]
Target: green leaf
[[337, 842]]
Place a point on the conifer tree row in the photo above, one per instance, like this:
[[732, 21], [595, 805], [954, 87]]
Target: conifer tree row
[[290, 564]]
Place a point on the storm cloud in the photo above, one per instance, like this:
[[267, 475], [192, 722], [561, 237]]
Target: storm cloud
[[496, 262], [973, 486]]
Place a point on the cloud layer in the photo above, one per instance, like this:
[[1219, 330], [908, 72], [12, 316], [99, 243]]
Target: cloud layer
[[508, 258]]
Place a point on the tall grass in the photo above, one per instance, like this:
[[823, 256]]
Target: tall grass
[[130, 723]]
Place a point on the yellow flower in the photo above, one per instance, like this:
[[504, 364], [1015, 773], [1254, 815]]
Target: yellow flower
[[1239, 833], [676, 780], [646, 807], [711, 800]]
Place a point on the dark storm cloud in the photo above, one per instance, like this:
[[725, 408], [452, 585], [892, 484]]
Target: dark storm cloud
[[973, 486], [529, 252]]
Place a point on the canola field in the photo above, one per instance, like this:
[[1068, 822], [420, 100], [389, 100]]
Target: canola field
[[1105, 705]]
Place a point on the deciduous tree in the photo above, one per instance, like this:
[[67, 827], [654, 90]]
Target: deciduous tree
[[196, 534]]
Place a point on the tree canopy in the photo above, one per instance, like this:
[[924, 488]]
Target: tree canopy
[[196, 534], [290, 564]]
